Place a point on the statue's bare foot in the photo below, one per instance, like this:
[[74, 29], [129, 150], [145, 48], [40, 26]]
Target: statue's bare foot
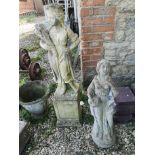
[[60, 89]]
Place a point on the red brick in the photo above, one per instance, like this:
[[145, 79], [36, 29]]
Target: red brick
[[97, 21], [103, 28], [104, 11], [91, 51], [90, 64], [85, 57], [86, 12], [91, 37], [87, 69], [86, 29], [91, 44], [86, 3], [108, 36], [98, 2], [95, 57], [84, 44]]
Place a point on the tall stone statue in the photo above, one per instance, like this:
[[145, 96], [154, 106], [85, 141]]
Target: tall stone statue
[[59, 40], [101, 95]]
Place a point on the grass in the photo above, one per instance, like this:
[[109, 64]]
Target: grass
[[40, 54], [23, 78], [29, 41], [27, 19], [25, 115]]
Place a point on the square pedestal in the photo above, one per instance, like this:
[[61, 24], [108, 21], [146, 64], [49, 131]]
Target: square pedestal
[[67, 108], [125, 105]]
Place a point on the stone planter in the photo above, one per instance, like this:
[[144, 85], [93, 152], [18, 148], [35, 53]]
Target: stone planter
[[33, 97]]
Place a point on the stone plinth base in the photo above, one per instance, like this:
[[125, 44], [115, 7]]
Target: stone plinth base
[[67, 108]]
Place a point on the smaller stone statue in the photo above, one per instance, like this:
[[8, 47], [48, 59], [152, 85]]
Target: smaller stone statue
[[101, 94]]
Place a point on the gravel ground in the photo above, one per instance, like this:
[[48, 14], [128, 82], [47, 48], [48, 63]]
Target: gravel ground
[[46, 139]]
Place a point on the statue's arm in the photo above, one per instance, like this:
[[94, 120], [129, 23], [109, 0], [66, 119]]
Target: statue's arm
[[45, 42], [113, 89], [46, 46], [73, 37], [93, 99]]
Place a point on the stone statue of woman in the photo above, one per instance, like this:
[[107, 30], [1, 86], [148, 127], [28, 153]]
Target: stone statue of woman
[[101, 95], [59, 40]]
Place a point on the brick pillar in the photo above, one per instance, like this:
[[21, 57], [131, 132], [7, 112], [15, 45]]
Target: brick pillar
[[26, 6], [96, 25]]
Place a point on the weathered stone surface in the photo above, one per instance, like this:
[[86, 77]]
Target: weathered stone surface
[[119, 36], [55, 38], [112, 2], [120, 51], [101, 94], [126, 6], [132, 45], [109, 52], [67, 108], [113, 45], [130, 35], [24, 135], [123, 80], [120, 23], [119, 70], [130, 22], [129, 60]]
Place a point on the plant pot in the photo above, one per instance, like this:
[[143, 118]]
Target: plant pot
[[33, 97]]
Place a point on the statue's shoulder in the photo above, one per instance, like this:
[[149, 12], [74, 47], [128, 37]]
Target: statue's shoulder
[[96, 80]]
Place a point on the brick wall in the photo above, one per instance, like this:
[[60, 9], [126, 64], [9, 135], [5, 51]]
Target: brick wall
[[26, 6], [97, 25], [101, 36]]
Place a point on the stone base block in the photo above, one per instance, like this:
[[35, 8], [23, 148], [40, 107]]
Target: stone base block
[[67, 108], [68, 123], [123, 118]]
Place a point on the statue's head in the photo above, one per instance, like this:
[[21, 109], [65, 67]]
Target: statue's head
[[103, 68], [54, 13]]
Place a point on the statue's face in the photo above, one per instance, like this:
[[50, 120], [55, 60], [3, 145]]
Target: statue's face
[[104, 70], [54, 18], [51, 19]]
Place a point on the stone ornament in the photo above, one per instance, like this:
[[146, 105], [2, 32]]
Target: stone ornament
[[101, 94], [55, 38]]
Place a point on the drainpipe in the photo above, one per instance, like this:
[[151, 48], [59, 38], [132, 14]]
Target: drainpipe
[[34, 5], [75, 11], [66, 13]]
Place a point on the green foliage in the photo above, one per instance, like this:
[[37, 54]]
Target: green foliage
[[37, 58], [40, 55], [32, 48], [88, 118], [29, 41], [52, 87], [22, 82], [27, 19], [43, 72], [83, 97], [25, 115]]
